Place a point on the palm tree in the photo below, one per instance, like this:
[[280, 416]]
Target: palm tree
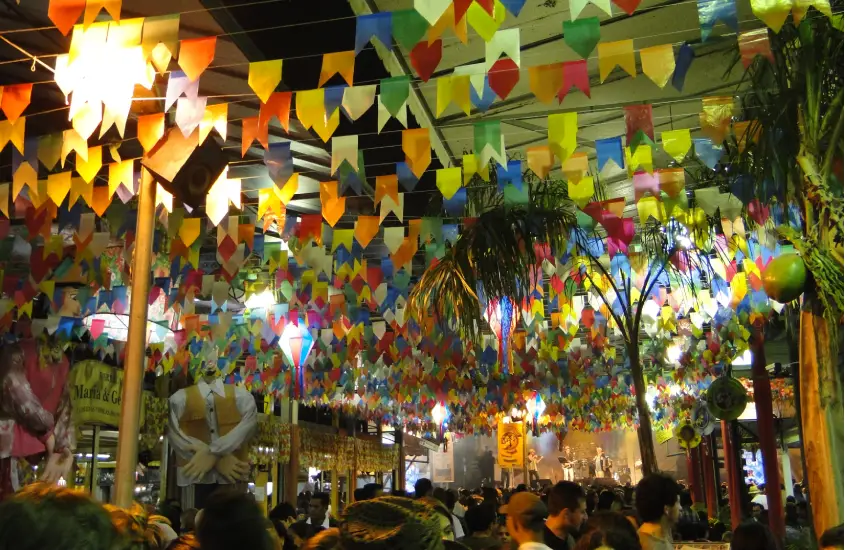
[[495, 257], [794, 140]]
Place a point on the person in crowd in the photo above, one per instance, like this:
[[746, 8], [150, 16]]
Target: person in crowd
[[567, 505], [142, 531], [328, 539], [609, 530], [592, 501], [526, 516], [371, 491], [172, 510], [753, 535], [391, 523], [457, 506], [423, 488], [232, 521], [318, 513], [447, 524], [605, 502], [491, 495], [833, 538], [689, 527], [442, 496], [659, 505], [188, 521], [481, 523], [298, 532], [184, 542], [45, 517], [284, 512], [521, 488]]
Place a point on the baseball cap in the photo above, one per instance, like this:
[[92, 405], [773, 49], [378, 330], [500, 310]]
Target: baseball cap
[[527, 507]]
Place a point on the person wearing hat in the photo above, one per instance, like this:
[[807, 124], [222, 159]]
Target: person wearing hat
[[390, 523], [526, 520]]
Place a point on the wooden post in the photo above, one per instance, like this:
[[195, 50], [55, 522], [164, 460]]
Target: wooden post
[[733, 475], [768, 445], [694, 474], [292, 471], [379, 474], [709, 477], [335, 475], [399, 478], [133, 366]]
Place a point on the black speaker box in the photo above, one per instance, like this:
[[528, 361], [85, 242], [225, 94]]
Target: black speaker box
[[185, 169]]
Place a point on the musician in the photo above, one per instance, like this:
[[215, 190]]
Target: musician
[[603, 464], [533, 461], [568, 464]]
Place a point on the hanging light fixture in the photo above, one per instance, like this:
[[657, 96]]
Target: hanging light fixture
[[296, 343], [499, 315], [535, 407], [439, 413]]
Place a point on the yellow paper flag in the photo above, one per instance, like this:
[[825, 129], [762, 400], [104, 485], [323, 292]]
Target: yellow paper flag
[[88, 169], [545, 81], [289, 189], [575, 167], [14, 132], [485, 25], [342, 63], [264, 76], [676, 143], [4, 199], [25, 175], [651, 207], [58, 186], [449, 181], [772, 12], [640, 158], [189, 230], [121, 173], [325, 128], [658, 63], [563, 134], [444, 93], [581, 192], [216, 117], [310, 107], [619, 53], [416, 144]]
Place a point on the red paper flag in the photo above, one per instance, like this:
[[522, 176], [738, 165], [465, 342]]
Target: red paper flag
[[64, 13], [638, 119], [503, 76], [425, 57], [195, 55], [575, 74], [15, 100], [628, 6]]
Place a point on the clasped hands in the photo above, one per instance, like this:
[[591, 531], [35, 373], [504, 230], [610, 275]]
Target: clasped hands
[[230, 467], [58, 464]]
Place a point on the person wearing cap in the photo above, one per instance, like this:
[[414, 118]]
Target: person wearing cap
[[526, 520], [391, 523]]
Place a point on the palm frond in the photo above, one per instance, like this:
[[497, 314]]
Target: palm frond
[[446, 292]]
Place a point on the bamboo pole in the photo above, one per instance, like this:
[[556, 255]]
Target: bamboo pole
[[292, 477], [133, 366], [733, 481]]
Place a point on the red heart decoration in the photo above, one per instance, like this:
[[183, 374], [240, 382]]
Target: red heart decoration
[[503, 76], [425, 57]]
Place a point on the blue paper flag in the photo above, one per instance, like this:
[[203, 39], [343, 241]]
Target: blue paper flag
[[379, 25], [487, 98], [406, 176], [710, 11], [450, 232], [514, 6], [455, 205], [683, 60], [333, 97], [279, 162], [707, 152], [610, 149], [511, 175]]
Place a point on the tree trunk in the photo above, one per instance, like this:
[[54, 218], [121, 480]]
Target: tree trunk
[[821, 414], [644, 433]]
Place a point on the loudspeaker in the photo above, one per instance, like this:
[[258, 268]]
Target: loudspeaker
[[185, 169]]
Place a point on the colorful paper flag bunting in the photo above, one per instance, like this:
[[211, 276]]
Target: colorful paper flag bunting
[[683, 60], [715, 117], [489, 142], [409, 27], [483, 21], [357, 100], [416, 144], [196, 54], [378, 25], [540, 160], [366, 227], [563, 134], [710, 11], [676, 143], [610, 149], [64, 13], [393, 93], [575, 75], [14, 132], [503, 76], [333, 205], [425, 57], [503, 42], [449, 181], [545, 81], [14, 99], [658, 63], [577, 6], [264, 76], [772, 12], [639, 126], [582, 35], [342, 63], [754, 43]]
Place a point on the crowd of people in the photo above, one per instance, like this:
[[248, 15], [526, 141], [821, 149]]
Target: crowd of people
[[565, 516]]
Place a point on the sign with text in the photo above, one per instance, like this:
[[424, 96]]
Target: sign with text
[[510, 437], [96, 390]]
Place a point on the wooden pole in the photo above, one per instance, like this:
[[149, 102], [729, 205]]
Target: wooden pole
[[694, 471], [733, 481], [768, 445], [133, 366], [292, 473], [335, 475], [399, 478], [709, 478]]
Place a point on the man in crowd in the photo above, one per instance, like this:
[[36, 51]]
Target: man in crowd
[[526, 520], [567, 505], [423, 488], [659, 507], [318, 513], [481, 522]]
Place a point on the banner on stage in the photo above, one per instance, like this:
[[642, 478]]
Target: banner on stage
[[511, 442], [96, 392], [443, 465]]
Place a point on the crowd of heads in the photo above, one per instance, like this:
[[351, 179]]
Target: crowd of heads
[[42, 517]]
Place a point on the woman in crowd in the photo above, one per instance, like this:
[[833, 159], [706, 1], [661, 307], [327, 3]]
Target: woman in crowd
[[753, 535], [609, 530]]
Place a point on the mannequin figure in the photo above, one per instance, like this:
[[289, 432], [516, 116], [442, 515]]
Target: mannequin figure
[[211, 424], [35, 411]]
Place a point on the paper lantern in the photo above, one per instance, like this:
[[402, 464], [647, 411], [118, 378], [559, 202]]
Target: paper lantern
[[296, 343]]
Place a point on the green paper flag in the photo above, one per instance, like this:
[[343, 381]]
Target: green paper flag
[[488, 141], [582, 35], [394, 92], [408, 28]]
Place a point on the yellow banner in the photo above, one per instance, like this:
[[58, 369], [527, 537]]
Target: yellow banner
[[96, 392], [662, 436], [511, 441]]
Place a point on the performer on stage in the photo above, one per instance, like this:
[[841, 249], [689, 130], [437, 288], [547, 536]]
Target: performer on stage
[[533, 460], [602, 463], [568, 464]]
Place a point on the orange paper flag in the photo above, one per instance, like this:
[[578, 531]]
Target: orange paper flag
[[342, 63], [4, 199], [195, 55], [333, 206], [215, 117], [658, 63], [64, 13], [58, 186], [716, 116], [251, 131], [619, 53], [15, 99], [416, 144], [150, 130], [545, 81], [366, 227], [387, 186], [540, 160], [93, 8], [277, 105], [100, 200]]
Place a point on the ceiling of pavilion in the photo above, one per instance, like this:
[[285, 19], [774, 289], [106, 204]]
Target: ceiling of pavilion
[[300, 33]]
